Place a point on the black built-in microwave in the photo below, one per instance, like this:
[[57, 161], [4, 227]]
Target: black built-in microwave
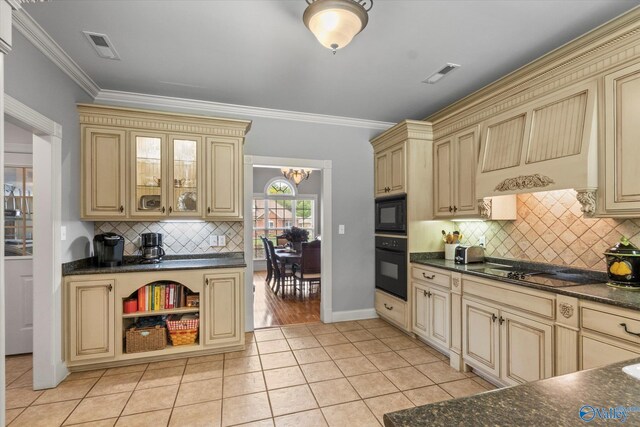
[[391, 215]]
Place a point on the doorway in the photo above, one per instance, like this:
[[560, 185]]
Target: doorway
[[283, 294], [265, 307]]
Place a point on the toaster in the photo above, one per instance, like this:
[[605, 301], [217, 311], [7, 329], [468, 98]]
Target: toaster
[[469, 254]]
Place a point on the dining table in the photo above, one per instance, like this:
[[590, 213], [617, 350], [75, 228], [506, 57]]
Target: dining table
[[285, 257]]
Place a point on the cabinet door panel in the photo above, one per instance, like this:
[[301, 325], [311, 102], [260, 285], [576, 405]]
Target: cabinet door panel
[[420, 311], [223, 309], [526, 349], [148, 174], [91, 320], [224, 179], [443, 178], [104, 172], [381, 173], [622, 103], [185, 184], [599, 352], [397, 172], [480, 342], [465, 182], [439, 317]]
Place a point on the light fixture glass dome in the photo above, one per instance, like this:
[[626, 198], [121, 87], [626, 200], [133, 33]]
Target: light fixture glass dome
[[335, 22]]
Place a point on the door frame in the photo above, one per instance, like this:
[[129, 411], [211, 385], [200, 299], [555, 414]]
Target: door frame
[[49, 368], [326, 303]]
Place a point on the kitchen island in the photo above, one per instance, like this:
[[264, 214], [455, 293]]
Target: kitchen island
[[566, 400]]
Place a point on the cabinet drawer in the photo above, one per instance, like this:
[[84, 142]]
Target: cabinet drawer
[[609, 322], [391, 308], [429, 275], [600, 352]]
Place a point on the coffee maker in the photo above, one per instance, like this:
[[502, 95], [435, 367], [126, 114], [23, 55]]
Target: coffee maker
[[151, 247], [108, 249]]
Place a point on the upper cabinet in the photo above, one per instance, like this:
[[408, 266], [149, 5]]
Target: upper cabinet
[[622, 133], [142, 164], [390, 171]]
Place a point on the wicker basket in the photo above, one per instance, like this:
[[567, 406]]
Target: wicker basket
[[183, 332], [145, 339]]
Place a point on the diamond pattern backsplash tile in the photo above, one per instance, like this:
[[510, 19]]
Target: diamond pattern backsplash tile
[[551, 228], [178, 238]]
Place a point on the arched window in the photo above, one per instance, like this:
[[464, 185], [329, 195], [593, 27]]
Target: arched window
[[279, 187], [278, 208]]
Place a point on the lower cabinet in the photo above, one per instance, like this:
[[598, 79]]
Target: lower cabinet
[[392, 309], [91, 320], [432, 314], [512, 347], [223, 301], [600, 351]]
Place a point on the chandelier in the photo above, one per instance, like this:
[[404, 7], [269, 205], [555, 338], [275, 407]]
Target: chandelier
[[296, 175], [336, 22]]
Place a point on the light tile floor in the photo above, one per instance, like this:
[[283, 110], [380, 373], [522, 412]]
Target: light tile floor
[[341, 374]]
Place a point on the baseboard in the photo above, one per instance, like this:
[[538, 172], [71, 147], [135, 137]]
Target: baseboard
[[343, 316]]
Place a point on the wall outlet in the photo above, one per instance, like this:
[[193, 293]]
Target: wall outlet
[[63, 233], [482, 241], [341, 229], [222, 240], [213, 240]]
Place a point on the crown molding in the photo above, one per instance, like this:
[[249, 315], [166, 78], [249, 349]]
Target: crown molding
[[33, 32], [208, 107], [17, 4], [40, 124]]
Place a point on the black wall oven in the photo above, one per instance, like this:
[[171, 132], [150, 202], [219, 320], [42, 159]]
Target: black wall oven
[[391, 215], [391, 265]]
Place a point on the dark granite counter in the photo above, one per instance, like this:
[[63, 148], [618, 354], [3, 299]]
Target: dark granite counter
[[598, 292], [558, 401], [169, 262]]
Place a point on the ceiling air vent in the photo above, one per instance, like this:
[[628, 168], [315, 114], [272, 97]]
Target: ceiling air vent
[[102, 45], [438, 75]]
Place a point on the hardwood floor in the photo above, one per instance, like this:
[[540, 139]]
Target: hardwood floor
[[270, 309]]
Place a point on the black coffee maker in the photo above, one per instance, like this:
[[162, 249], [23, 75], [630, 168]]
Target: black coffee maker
[[108, 249], [151, 247]]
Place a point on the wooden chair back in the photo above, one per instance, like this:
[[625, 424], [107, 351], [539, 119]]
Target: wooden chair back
[[310, 258], [272, 256]]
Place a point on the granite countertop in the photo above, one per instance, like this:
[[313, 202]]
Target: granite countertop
[[169, 262], [597, 291], [556, 401]]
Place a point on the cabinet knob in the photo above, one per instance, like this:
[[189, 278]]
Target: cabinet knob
[[388, 307], [424, 292], [170, 209], [206, 282], [450, 209], [455, 209], [208, 210], [494, 318], [162, 209], [110, 287], [429, 294], [501, 320], [121, 209]]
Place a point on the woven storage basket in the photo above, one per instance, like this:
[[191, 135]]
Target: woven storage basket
[[183, 332], [145, 339]]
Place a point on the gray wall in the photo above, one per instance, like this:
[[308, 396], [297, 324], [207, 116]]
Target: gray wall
[[34, 80]]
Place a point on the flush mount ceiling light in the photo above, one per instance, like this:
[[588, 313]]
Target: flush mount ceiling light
[[336, 22], [296, 175]]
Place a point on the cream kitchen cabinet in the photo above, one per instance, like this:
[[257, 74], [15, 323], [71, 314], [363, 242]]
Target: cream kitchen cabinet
[[224, 179], [622, 132], [431, 313], [607, 334], [392, 309], [390, 171], [157, 162], [454, 173], [104, 172], [223, 299], [91, 320]]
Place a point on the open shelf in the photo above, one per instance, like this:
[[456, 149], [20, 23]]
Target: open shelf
[[181, 310]]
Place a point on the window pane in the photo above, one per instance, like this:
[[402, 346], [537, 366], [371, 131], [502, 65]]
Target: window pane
[[18, 203], [280, 187], [305, 214]]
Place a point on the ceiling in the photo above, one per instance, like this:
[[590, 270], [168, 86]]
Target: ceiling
[[259, 53]]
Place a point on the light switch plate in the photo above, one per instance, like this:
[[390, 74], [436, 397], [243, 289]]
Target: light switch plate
[[482, 241], [213, 240], [222, 240], [63, 233], [341, 229]]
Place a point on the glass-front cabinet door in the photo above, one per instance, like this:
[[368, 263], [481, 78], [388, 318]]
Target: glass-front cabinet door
[[18, 211], [185, 196], [149, 174]]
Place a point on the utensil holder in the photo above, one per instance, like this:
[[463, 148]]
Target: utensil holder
[[450, 251]]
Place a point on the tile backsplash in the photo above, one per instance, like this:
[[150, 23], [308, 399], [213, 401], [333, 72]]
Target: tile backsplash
[[179, 237], [551, 228]]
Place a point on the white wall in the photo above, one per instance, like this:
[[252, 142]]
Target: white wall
[[34, 80]]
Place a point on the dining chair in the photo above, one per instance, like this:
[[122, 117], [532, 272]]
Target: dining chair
[[308, 271], [282, 272], [267, 257]]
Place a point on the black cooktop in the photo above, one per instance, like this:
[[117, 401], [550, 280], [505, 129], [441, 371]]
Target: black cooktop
[[555, 279]]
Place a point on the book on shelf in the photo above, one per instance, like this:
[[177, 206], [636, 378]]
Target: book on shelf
[[165, 296]]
